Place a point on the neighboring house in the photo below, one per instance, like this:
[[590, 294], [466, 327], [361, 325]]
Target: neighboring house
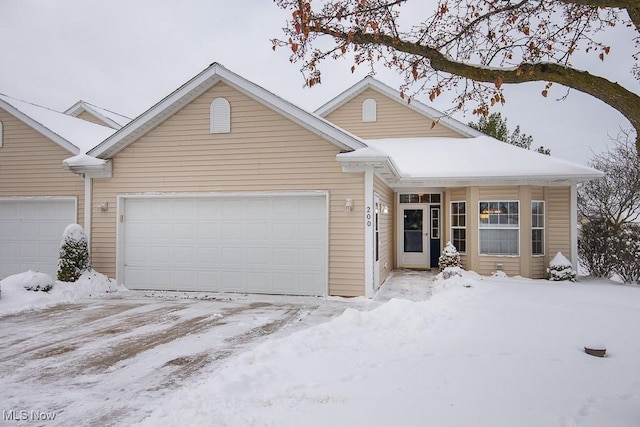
[[38, 198], [92, 113], [224, 186]]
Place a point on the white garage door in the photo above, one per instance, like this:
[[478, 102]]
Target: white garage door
[[255, 244], [30, 231]]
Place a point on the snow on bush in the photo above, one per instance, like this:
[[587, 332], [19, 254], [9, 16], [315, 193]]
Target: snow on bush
[[449, 261], [74, 254], [32, 281], [560, 269], [626, 254]]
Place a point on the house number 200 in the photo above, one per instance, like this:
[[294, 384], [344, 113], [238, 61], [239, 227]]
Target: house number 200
[[368, 216]]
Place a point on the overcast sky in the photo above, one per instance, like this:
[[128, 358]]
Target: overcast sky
[[126, 55]]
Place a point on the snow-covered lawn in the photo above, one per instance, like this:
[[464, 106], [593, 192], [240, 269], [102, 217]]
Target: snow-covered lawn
[[471, 350], [480, 352]]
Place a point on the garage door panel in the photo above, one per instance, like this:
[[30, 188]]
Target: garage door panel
[[259, 256], [233, 281], [185, 231], [184, 255], [233, 209], [284, 257], [285, 231], [208, 230], [209, 255], [235, 244], [233, 256]]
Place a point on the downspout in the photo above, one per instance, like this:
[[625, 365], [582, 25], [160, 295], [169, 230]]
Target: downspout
[[88, 196], [574, 226]]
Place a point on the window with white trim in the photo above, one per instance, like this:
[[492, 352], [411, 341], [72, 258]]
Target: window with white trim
[[220, 116], [537, 227], [499, 223], [459, 225], [369, 110]]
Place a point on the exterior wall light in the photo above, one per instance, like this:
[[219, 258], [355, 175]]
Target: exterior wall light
[[348, 205]]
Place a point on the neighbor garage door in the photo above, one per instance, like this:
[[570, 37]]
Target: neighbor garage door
[[255, 244], [30, 233]]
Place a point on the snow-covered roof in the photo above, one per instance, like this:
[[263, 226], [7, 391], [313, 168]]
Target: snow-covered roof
[[371, 83], [463, 161], [113, 119], [73, 134], [209, 77]]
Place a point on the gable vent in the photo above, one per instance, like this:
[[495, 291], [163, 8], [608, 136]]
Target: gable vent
[[369, 112], [220, 116]]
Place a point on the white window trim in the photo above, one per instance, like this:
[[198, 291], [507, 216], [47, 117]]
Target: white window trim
[[499, 228], [220, 116], [452, 227], [1, 133], [543, 228]]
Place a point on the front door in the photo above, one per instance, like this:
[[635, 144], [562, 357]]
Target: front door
[[414, 249]]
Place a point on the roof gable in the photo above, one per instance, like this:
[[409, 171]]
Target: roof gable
[[109, 118], [73, 134], [198, 85], [373, 84]]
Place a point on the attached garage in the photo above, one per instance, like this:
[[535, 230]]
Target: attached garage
[[255, 243], [31, 229]]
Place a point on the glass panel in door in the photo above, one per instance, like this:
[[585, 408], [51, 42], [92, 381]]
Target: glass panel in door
[[413, 230]]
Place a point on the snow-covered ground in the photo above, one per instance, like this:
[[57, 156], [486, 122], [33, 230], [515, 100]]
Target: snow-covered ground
[[471, 350], [482, 351], [15, 298]]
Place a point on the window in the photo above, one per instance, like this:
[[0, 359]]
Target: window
[[537, 228], [420, 198], [459, 225], [220, 116], [499, 228], [369, 112]]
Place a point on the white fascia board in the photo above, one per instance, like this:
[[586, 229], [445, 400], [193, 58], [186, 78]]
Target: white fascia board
[[198, 85], [425, 110], [37, 126], [157, 113], [547, 181]]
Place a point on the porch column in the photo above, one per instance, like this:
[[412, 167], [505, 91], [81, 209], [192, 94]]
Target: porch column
[[368, 232]]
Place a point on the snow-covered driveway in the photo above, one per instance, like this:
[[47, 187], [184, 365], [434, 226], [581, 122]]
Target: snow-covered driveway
[[102, 361]]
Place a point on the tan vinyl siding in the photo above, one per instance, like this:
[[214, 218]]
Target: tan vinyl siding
[[91, 118], [263, 152], [558, 216], [394, 120], [31, 165], [386, 221]]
